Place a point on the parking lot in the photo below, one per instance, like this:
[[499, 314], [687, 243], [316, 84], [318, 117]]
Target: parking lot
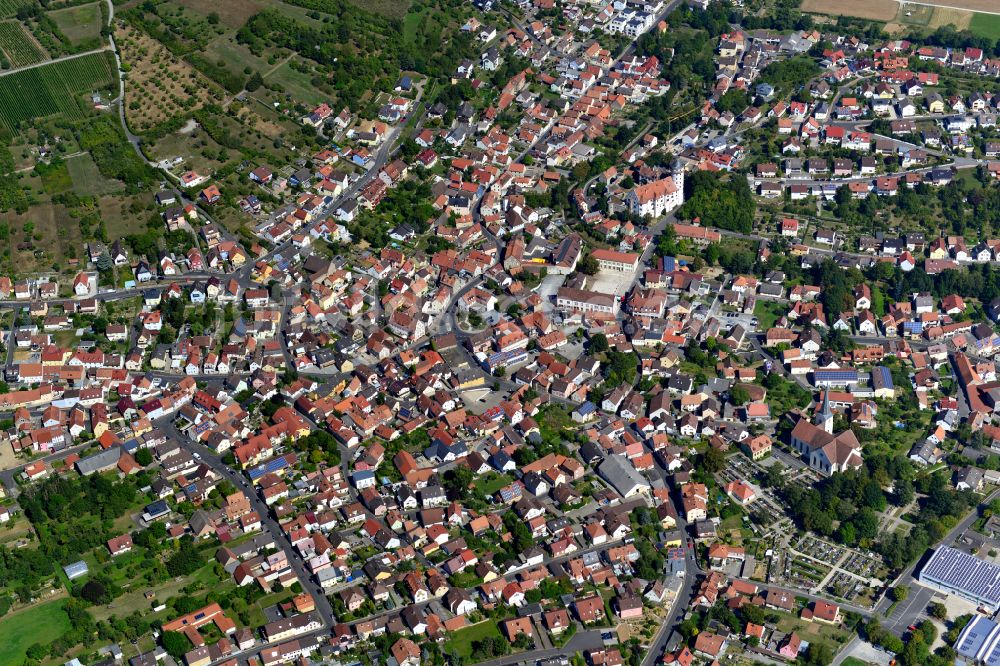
[[868, 653], [745, 319], [478, 400]]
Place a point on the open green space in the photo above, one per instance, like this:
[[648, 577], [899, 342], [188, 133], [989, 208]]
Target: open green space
[[461, 641], [56, 88], [41, 237], [815, 633], [39, 624], [296, 83], [86, 177], [79, 23], [768, 312], [985, 25], [854, 661], [488, 486], [235, 57], [390, 8]]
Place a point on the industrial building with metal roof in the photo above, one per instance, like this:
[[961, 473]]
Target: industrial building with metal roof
[[964, 575], [979, 642]]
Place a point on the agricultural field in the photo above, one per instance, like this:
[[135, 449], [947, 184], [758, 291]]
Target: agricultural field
[[971, 5], [958, 12], [160, 86], [79, 23], [958, 18], [56, 88], [9, 7], [876, 10], [18, 46], [986, 25]]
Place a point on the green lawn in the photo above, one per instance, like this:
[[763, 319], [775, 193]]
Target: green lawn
[[491, 485], [410, 25], [40, 624], [731, 523], [461, 641], [768, 312], [985, 25], [814, 632], [854, 661]]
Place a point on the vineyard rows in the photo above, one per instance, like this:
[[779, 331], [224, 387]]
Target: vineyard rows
[[9, 7], [18, 46], [56, 88]]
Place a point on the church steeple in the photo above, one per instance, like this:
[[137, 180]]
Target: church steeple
[[824, 417]]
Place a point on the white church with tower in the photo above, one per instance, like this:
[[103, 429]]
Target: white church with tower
[[826, 452]]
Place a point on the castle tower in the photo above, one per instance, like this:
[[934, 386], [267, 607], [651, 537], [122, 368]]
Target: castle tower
[[677, 173]]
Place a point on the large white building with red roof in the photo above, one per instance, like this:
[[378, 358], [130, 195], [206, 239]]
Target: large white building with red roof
[[658, 197]]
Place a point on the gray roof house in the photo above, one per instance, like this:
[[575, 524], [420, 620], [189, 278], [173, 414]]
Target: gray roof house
[[622, 476]]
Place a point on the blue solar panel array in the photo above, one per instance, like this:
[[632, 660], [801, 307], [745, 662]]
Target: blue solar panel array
[[884, 375], [845, 376], [273, 465], [980, 641], [965, 575]]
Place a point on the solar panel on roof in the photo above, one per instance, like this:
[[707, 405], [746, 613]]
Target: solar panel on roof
[[836, 374], [964, 574]]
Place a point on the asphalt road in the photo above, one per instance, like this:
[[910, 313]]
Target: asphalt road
[[209, 457], [581, 641]]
